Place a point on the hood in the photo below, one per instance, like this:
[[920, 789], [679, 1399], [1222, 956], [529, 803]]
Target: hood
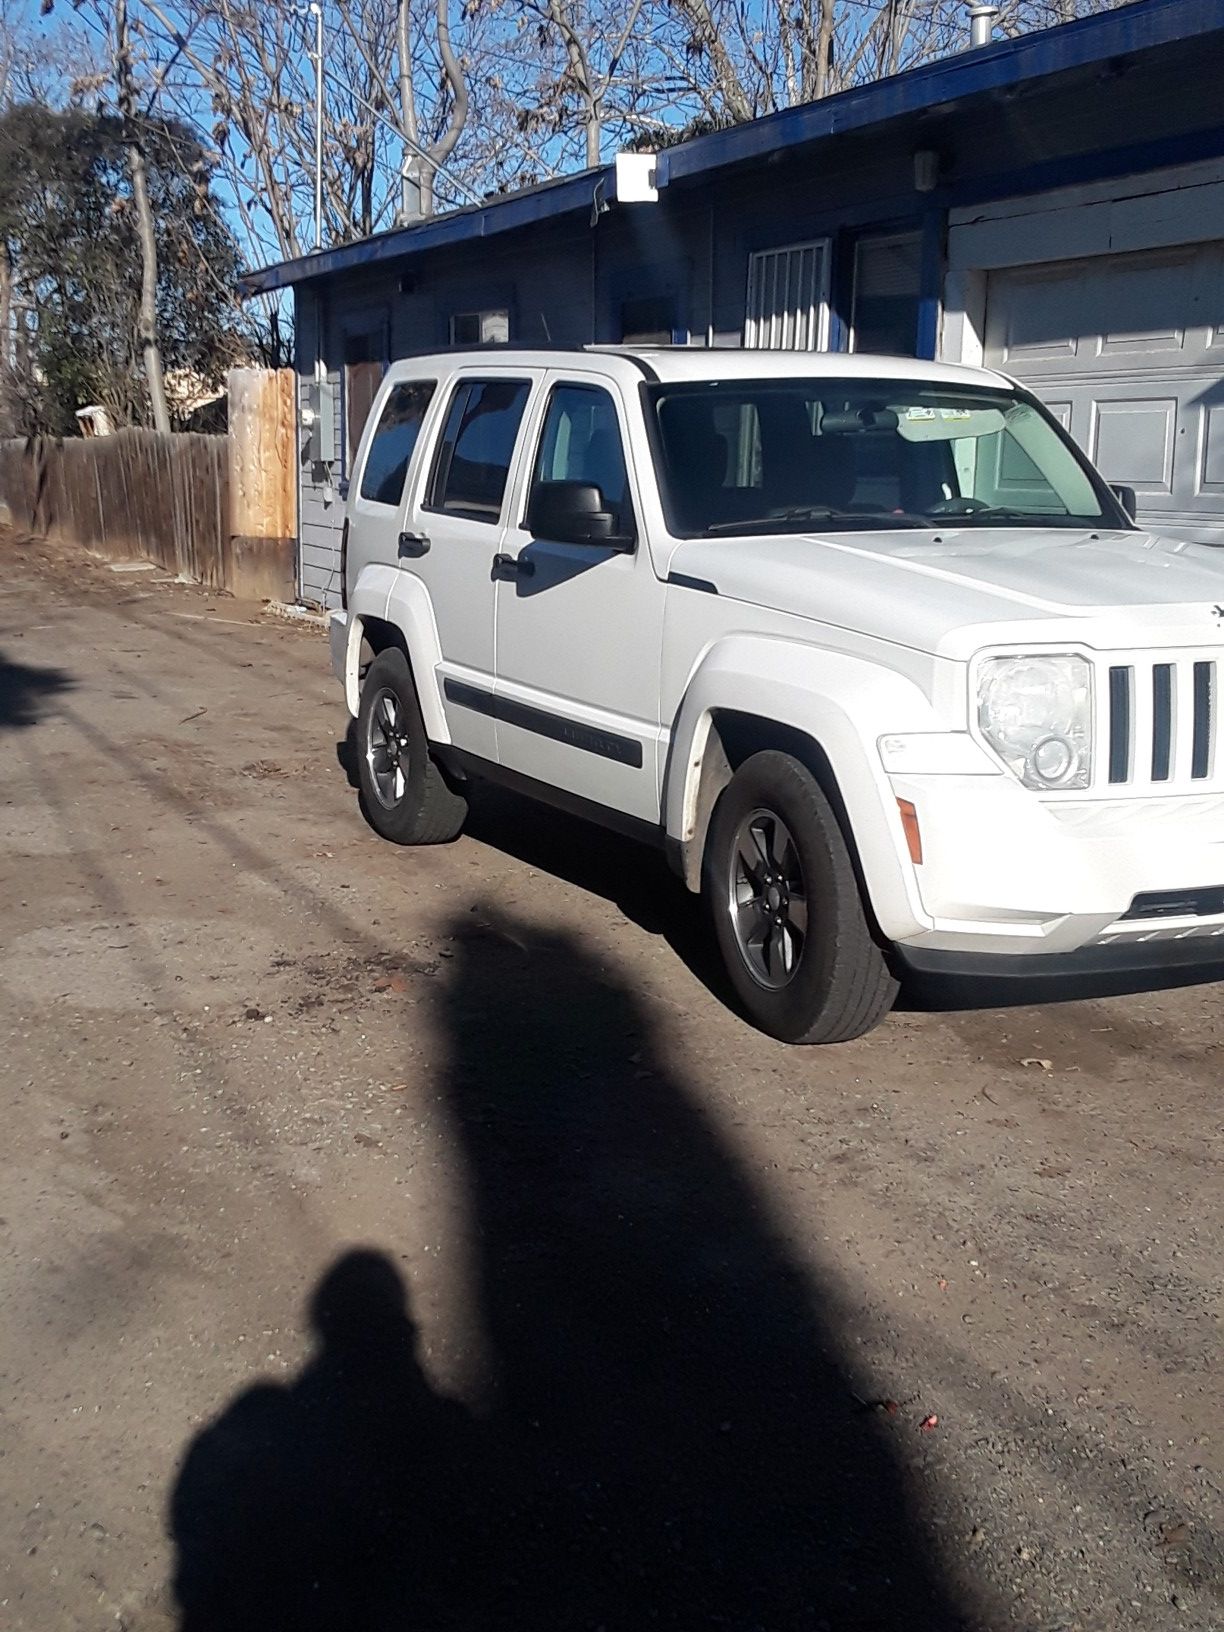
[[920, 588]]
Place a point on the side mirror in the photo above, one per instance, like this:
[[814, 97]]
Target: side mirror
[[574, 513], [1125, 497]]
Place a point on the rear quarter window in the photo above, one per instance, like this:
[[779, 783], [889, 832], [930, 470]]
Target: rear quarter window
[[394, 439]]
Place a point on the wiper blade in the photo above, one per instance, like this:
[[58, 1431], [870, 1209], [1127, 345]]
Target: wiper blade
[[1009, 512], [813, 512], [881, 520]]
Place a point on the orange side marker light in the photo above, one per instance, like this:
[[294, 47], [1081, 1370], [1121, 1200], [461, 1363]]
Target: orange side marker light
[[913, 835]]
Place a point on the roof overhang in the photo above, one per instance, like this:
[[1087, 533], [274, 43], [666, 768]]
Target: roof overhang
[[549, 201], [1002, 66]]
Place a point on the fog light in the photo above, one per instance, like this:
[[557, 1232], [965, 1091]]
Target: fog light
[[1054, 760]]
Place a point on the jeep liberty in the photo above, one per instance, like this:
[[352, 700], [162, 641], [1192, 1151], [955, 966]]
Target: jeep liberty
[[865, 642]]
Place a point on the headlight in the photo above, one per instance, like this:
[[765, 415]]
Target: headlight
[[1036, 713]]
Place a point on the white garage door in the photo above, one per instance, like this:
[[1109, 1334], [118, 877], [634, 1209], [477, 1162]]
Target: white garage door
[[1128, 351]]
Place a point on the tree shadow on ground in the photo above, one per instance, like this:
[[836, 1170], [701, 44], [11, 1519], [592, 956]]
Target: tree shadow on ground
[[672, 1437], [24, 692]]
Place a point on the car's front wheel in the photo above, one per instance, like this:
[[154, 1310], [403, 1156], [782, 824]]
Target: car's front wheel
[[406, 797], [787, 911]]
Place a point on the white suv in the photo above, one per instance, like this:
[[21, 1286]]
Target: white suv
[[865, 642]]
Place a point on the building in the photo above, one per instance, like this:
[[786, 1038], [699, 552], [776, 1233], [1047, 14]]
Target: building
[[1052, 205]]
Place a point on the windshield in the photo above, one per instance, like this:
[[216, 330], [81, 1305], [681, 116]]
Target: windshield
[[768, 456]]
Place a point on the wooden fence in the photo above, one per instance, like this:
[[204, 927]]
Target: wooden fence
[[217, 509], [129, 496]]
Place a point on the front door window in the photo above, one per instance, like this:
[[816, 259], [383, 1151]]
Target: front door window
[[581, 442]]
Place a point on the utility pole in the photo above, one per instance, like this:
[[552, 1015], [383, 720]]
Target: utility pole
[[315, 10], [410, 169]]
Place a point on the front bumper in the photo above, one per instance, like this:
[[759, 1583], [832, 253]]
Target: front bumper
[[1118, 966], [1009, 875]]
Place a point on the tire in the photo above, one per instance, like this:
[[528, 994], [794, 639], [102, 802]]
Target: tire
[[404, 794], [787, 911]]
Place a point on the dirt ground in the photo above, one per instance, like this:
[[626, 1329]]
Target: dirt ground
[[414, 1240]]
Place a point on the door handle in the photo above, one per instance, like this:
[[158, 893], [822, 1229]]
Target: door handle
[[413, 544], [512, 566]]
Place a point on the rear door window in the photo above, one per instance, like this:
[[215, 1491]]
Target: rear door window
[[395, 438], [476, 449]]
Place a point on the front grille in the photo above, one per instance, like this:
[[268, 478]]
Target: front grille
[[1162, 723]]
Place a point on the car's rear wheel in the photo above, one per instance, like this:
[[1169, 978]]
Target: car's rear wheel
[[406, 797], [787, 910]]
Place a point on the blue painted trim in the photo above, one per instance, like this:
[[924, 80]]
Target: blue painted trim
[[841, 290], [996, 67], [1102, 165], [931, 278]]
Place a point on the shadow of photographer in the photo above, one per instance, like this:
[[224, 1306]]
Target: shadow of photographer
[[674, 1438]]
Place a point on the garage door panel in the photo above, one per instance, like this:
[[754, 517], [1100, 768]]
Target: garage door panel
[[1042, 324], [1124, 342], [1128, 351], [1211, 467], [1133, 442], [1148, 306]]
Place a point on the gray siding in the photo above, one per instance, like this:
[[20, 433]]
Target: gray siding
[[413, 314]]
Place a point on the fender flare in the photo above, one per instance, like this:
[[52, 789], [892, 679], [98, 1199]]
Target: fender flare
[[390, 595], [842, 705]]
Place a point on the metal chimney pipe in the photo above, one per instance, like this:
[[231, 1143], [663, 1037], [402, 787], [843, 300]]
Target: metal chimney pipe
[[981, 25]]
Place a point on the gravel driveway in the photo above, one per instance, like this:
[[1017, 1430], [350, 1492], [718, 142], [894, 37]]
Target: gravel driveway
[[413, 1240]]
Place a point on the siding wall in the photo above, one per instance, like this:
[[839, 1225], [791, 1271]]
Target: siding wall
[[564, 281]]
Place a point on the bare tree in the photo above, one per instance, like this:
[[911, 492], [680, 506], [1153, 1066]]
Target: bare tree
[[410, 195], [738, 59], [430, 105], [824, 48], [589, 83], [39, 63], [121, 64], [557, 82], [146, 234], [248, 62], [444, 145], [424, 124]]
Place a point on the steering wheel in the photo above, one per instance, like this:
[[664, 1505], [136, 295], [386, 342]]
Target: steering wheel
[[958, 507]]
